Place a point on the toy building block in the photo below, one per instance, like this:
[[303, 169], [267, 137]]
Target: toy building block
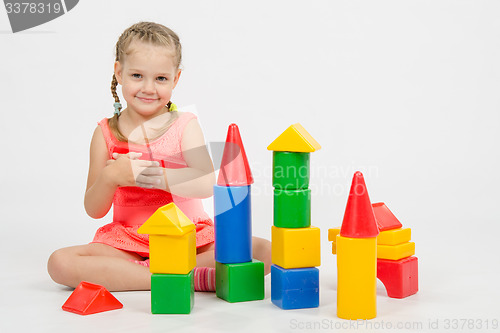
[[165, 161], [356, 271], [89, 298], [292, 208], [395, 252], [240, 282], [385, 218], [356, 256], [359, 220], [290, 170], [172, 293], [332, 237], [125, 150], [172, 255], [234, 170], [172, 241], [394, 236], [233, 224], [332, 234], [295, 139], [296, 288], [400, 277], [295, 247]]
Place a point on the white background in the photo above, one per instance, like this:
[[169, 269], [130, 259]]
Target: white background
[[405, 91]]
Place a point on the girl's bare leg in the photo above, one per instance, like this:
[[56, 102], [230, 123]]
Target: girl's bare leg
[[261, 250], [100, 264]]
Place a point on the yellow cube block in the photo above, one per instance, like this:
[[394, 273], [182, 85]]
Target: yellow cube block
[[334, 248], [395, 252], [295, 247], [172, 254], [332, 234], [394, 236]]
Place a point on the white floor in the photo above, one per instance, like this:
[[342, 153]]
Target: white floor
[[458, 291]]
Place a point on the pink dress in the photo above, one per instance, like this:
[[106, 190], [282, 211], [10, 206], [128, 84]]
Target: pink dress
[[132, 206]]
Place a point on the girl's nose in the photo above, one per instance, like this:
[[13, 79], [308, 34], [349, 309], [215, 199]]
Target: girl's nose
[[148, 86]]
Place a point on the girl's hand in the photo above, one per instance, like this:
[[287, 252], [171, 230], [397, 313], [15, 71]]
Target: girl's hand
[[128, 170]]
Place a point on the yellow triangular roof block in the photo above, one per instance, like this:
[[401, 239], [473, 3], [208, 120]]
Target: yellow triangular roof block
[[296, 139], [167, 220]]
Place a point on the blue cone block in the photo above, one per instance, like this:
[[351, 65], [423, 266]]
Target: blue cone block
[[233, 224], [295, 288]]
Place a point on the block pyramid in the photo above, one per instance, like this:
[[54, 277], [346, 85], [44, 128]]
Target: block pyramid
[[89, 298]]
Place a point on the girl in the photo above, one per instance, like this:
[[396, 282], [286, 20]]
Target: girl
[[142, 158]]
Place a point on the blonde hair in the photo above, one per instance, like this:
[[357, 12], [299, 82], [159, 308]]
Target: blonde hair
[[148, 32]]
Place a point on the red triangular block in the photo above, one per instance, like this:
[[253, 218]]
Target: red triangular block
[[234, 170], [359, 221], [385, 218], [89, 298]]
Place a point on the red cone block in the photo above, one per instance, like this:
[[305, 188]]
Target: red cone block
[[359, 220], [385, 218], [89, 298], [234, 170]]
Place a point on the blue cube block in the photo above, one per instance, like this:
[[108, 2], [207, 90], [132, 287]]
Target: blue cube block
[[296, 288], [233, 224]]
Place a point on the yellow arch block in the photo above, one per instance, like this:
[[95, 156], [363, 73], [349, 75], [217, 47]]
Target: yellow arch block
[[356, 278], [172, 254], [394, 236], [295, 247], [396, 252]]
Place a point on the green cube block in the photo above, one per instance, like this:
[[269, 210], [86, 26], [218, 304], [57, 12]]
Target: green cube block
[[172, 293], [240, 282], [290, 170], [292, 208]]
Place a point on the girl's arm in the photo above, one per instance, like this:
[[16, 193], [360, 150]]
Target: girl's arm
[[100, 189], [198, 179], [106, 175]]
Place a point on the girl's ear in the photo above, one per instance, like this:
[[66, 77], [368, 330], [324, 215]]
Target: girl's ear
[[176, 78], [118, 72]]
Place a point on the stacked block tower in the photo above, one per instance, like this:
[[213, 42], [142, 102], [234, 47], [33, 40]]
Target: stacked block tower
[[239, 278], [172, 251], [396, 266], [295, 243], [357, 256]]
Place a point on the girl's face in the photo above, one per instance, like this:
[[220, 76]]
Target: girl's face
[[148, 75]]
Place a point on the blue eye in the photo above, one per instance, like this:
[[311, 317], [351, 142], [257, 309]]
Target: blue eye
[[137, 76], [162, 78]]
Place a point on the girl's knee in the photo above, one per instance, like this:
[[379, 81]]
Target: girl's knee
[[59, 266], [262, 252]]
